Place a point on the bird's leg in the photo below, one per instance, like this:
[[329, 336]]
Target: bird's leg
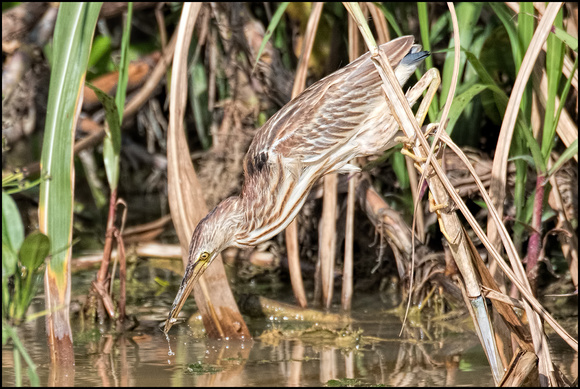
[[436, 208], [429, 82], [409, 142]]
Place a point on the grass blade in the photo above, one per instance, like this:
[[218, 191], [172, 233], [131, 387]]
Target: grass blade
[[271, 27], [425, 40], [124, 65], [568, 39], [554, 62], [73, 33], [12, 227], [467, 14], [112, 141], [391, 19], [566, 155]]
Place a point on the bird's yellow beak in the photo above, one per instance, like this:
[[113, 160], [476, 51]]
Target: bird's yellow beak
[[192, 273]]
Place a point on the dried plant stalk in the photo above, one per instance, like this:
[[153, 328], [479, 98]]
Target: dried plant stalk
[[292, 229], [448, 219], [219, 310]]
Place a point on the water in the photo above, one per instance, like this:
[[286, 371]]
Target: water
[[366, 352], [142, 359]]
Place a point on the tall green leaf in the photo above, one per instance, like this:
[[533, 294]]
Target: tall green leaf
[[525, 29], [271, 27], [554, 62], [568, 39], [501, 101], [73, 34], [425, 40], [12, 228], [112, 141], [124, 65], [566, 155], [467, 15]]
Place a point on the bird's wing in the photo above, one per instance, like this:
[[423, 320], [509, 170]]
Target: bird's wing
[[326, 115]]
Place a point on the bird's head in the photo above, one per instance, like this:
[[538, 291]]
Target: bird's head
[[213, 234]]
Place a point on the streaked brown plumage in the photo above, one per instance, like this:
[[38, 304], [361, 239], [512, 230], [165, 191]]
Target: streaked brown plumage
[[340, 117]]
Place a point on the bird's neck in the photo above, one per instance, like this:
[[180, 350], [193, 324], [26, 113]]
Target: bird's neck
[[270, 200], [229, 215]]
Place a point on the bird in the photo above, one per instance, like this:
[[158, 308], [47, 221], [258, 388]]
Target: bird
[[343, 116]]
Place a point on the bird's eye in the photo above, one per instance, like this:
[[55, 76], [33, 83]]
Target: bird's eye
[[204, 256]]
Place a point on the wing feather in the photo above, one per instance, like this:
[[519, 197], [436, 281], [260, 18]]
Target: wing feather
[[324, 116]]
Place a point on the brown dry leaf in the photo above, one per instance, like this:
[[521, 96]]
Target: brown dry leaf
[[216, 304]]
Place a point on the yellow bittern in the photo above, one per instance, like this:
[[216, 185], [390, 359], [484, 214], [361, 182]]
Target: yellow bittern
[[343, 116]]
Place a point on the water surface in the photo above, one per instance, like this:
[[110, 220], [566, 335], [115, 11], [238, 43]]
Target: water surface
[[368, 351]]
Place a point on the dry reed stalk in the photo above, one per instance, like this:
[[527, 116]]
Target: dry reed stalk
[[294, 264], [503, 298], [383, 36], [327, 238], [299, 85], [513, 256], [498, 183], [448, 218], [567, 129], [521, 366], [161, 23], [307, 44], [218, 308], [418, 218], [388, 221], [490, 289], [568, 63], [380, 21], [347, 270], [523, 286], [499, 169], [211, 84]]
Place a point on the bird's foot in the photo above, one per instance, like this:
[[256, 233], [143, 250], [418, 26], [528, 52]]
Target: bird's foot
[[437, 209]]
